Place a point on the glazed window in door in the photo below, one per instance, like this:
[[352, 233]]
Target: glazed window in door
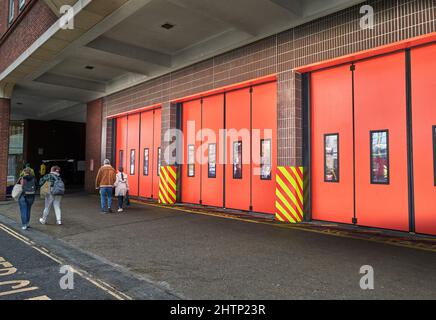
[[121, 158], [146, 161], [159, 160], [379, 157], [191, 161], [132, 162], [331, 157], [212, 161], [265, 159], [237, 160]]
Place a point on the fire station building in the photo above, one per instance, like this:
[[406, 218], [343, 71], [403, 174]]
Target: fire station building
[[304, 110]]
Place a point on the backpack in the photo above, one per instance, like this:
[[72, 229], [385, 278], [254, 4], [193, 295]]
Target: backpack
[[29, 186], [58, 187]]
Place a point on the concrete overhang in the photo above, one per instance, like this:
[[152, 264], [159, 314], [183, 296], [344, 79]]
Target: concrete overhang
[[116, 44]]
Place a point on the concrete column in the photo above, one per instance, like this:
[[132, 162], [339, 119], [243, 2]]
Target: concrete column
[[5, 114], [93, 142]]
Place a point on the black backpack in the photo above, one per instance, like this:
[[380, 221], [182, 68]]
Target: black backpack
[[29, 186]]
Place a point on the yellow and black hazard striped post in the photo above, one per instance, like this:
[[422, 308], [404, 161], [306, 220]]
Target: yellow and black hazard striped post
[[168, 185], [289, 194]]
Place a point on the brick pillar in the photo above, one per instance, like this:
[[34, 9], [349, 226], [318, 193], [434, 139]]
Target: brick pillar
[[290, 173], [93, 142], [169, 121], [5, 113], [289, 119]]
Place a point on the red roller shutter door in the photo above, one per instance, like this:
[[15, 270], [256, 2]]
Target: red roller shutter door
[[121, 144], [147, 155], [424, 136], [212, 192], [191, 170], [331, 97], [264, 147], [238, 168], [157, 154], [380, 118], [132, 165]]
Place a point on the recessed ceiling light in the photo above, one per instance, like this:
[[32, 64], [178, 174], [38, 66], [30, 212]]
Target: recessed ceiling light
[[167, 26], [90, 67]]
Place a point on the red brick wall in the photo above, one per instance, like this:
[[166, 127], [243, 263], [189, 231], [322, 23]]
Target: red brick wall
[[326, 38], [28, 26], [93, 142], [5, 110]]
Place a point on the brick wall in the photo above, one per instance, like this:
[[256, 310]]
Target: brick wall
[[29, 25], [109, 136], [93, 142], [5, 110], [326, 38]]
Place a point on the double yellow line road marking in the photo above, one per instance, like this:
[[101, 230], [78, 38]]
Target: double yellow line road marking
[[97, 282]]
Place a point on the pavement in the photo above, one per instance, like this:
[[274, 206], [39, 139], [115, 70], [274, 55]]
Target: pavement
[[154, 252]]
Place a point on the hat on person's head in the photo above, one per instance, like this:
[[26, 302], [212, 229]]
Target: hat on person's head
[[106, 162]]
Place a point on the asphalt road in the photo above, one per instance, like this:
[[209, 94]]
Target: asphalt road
[[204, 257], [26, 273]]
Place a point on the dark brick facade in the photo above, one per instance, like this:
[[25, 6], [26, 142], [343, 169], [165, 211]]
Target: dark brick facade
[[29, 24], [93, 142], [326, 38], [5, 113]]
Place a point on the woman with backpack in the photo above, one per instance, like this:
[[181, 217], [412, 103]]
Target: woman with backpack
[[53, 188], [121, 188], [27, 197]]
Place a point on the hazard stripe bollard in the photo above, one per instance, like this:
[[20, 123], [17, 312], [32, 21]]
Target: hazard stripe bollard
[[289, 194], [168, 185]]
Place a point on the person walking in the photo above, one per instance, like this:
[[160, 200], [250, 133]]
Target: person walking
[[27, 197], [42, 170], [27, 166], [54, 194], [105, 182], [121, 188]]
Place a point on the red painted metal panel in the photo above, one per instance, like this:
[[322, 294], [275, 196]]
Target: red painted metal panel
[[147, 154], [264, 131], [157, 158], [132, 165], [191, 180], [424, 118], [331, 110], [212, 192], [380, 104], [235, 86], [386, 49], [238, 114], [121, 143]]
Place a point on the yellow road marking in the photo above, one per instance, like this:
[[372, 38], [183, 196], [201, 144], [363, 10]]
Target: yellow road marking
[[341, 234], [98, 283], [40, 298]]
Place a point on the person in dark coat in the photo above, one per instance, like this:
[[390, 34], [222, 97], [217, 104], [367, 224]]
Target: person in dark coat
[[27, 197]]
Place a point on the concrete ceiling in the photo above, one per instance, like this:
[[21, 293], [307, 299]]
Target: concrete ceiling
[[128, 46]]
